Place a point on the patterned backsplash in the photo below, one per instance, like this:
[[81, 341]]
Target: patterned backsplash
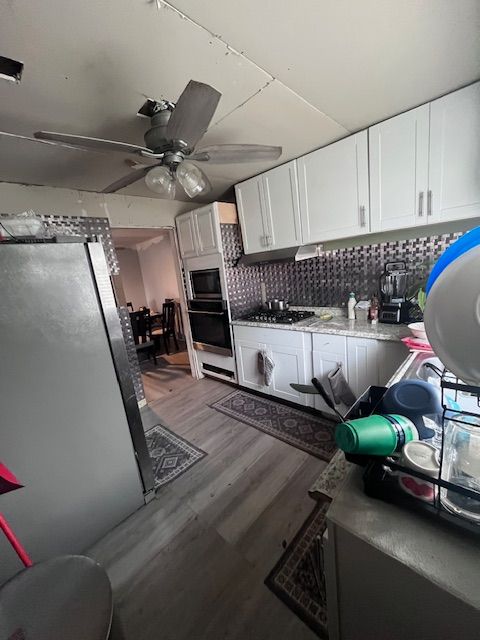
[[325, 281]]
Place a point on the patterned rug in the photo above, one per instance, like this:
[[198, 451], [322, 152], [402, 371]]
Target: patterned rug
[[171, 455], [313, 434], [298, 578]]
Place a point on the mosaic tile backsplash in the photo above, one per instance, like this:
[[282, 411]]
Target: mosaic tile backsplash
[[325, 281]]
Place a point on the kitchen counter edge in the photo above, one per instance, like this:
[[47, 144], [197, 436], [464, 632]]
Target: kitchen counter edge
[[336, 326]]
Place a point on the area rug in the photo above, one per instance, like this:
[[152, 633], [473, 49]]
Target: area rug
[[171, 455], [298, 579], [311, 433]]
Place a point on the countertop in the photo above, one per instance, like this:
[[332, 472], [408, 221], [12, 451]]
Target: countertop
[[443, 554], [339, 325]]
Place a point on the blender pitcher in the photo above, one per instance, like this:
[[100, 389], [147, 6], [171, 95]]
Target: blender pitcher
[[461, 465]]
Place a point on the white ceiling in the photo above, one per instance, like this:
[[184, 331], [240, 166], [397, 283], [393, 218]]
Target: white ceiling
[[296, 74]]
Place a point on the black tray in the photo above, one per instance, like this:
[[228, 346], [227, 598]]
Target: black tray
[[379, 483]]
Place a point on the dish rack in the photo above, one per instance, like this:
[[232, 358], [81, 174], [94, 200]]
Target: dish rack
[[378, 477]]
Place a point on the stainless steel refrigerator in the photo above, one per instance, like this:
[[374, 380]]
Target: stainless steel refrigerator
[[70, 425]]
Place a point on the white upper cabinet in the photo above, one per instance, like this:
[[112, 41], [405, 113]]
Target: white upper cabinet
[[398, 153], [333, 186], [421, 167], [251, 213], [207, 230], [454, 190], [282, 213], [198, 232], [186, 235], [268, 210]]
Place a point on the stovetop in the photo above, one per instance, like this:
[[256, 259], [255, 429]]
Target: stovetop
[[280, 317]]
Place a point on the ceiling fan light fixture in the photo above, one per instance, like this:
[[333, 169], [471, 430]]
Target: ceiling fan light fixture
[[192, 179], [161, 181]]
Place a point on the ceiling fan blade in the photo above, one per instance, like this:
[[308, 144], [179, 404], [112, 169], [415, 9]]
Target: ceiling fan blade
[[126, 180], [133, 164], [6, 134], [232, 153], [193, 113], [96, 144]]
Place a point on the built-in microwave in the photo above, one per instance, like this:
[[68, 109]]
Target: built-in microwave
[[206, 284]]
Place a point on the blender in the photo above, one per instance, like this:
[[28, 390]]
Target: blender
[[394, 306]]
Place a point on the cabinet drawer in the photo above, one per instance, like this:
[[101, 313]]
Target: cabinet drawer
[[329, 343], [285, 337]]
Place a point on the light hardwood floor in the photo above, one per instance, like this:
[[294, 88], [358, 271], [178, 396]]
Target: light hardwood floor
[[161, 380], [191, 564]]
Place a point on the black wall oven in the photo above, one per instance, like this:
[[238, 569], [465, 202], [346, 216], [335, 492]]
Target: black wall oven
[[210, 326], [206, 284]]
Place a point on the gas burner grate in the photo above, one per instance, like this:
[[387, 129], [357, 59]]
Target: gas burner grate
[[278, 317]]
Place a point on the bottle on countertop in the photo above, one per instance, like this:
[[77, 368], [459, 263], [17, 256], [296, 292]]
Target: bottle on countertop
[[374, 307], [351, 306], [376, 435]]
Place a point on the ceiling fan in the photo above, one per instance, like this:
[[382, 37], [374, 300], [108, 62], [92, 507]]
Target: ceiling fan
[[170, 144]]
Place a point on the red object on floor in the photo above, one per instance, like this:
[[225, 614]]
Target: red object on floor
[[8, 482], [12, 538]]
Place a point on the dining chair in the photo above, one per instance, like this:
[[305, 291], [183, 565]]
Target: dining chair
[[168, 326], [140, 321]]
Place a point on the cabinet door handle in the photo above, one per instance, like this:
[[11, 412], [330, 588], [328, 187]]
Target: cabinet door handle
[[269, 240], [263, 241], [362, 216], [420, 204], [429, 202]]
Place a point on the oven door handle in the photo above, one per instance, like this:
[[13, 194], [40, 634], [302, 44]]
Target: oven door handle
[[209, 313]]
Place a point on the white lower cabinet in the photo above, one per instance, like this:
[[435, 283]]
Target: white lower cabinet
[[290, 366], [362, 356], [328, 352], [290, 352], [372, 362], [247, 364], [299, 356], [390, 357]]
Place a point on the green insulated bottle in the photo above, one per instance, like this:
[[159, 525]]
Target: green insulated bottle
[[377, 435]]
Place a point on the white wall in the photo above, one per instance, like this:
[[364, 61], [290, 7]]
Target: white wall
[[122, 211], [158, 270], [131, 277]]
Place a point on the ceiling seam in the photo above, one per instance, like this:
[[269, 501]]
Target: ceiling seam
[[242, 104], [163, 4]]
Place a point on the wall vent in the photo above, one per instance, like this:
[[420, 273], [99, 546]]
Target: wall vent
[[10, 69]]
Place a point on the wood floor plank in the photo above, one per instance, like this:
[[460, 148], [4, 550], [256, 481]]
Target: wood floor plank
[[237, 507], [191, 564], [263, 543]]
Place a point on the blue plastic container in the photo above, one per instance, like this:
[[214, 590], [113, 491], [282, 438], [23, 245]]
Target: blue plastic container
[[468, 241]]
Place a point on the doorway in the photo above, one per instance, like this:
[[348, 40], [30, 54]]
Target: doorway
[[151, 286]]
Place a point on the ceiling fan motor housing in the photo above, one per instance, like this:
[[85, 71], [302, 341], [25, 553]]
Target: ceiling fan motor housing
[[155, 136]]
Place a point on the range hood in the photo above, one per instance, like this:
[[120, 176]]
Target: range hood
[[292, 254]]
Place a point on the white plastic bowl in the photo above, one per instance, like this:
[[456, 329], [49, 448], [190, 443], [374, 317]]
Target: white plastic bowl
[[418, 331], [452, 317]]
